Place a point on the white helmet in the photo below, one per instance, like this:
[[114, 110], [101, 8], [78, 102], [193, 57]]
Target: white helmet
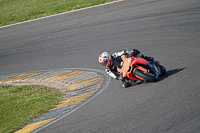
[[105, 59]]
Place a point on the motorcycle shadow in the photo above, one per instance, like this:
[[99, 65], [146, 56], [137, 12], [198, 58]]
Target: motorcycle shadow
[[171, 72], [168, 74]]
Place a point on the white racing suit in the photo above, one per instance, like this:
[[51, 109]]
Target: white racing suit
[[112, 69]]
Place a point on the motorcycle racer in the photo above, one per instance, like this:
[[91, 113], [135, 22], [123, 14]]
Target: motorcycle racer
[[107, 60]]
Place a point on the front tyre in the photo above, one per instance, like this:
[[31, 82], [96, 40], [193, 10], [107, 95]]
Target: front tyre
[[150, 78]]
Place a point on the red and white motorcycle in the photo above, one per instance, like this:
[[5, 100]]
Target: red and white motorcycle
[[139, 69]]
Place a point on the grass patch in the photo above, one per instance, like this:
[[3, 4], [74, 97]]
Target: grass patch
[[13, 11], [19, 105]]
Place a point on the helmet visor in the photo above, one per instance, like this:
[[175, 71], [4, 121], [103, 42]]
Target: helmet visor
[[104, 63]]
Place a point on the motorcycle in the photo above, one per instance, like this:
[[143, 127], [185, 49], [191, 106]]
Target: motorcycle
[[139, 69]]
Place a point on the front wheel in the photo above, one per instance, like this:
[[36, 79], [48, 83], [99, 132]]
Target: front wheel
[[150, 78]]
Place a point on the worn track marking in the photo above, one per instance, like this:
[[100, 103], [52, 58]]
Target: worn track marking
[[79, 85], [20, 77]]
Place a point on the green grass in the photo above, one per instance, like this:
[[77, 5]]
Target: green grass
[[21, 104], [13, 11]]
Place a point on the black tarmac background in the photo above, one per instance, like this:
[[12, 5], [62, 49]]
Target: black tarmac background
[[168, 30]]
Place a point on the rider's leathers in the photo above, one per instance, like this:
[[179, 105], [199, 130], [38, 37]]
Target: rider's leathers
[[112, 69]]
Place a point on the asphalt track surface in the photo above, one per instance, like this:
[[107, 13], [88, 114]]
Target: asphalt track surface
[[168, 30]]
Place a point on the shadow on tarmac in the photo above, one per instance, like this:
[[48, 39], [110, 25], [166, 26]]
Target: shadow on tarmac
[[171, 72]]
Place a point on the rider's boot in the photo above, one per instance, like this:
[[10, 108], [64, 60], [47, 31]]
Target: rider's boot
[[125, 83]]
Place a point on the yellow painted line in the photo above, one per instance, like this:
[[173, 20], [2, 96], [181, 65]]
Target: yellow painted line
[[20, 76], [84, 83], [66, 75], [34, 126], [74, 100]]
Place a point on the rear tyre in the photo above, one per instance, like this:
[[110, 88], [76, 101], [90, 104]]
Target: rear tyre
[[162, 70], [150, 78]]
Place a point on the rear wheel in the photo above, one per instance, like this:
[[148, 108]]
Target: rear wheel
[[162, 70], [148, 77]]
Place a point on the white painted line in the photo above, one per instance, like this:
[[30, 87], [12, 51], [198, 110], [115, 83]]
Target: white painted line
[[62, 13]]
